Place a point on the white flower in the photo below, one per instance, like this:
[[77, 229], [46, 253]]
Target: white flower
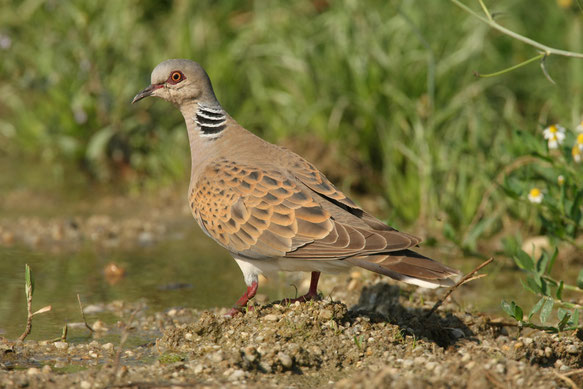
[[560, 180], [555, 135], [579, 127], [535, 196]]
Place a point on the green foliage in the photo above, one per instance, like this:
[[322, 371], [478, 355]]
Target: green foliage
[[394, 91], [28, 282], [551, 291]]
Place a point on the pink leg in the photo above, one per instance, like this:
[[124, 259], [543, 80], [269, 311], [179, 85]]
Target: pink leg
[[312, 292], [242, 302]]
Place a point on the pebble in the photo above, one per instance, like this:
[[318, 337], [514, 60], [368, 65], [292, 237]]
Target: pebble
[[237, 375], [197, 369], [98, 325], [46, 369], [548, 352], [572, 349], [285, 360], [217, 357], [61, 345], [527, 341], [33, 371], [326, 314], [271, 317], [107, 346], [85, 384]]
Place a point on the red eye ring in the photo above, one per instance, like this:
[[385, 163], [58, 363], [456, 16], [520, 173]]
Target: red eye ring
[[175, 77]]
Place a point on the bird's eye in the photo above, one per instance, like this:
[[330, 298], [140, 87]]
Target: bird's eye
[[175, 77]]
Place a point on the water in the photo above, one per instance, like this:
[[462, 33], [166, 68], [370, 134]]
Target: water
[[207, 275]]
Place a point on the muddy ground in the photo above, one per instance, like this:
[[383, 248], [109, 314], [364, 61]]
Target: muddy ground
[[369, 332], [375, 335]]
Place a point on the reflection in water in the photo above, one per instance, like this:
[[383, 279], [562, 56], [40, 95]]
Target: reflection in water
[[179, 272]]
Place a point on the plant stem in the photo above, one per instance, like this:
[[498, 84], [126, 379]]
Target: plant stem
[[540, 56], [490, 22], [29, 317]]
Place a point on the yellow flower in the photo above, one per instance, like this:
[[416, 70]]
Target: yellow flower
[[579, 141], [565, 3], [579, 127], [555, 135], [576, 152], [535, 196]]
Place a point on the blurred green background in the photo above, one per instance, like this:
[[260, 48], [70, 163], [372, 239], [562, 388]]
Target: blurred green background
[[380, 94]]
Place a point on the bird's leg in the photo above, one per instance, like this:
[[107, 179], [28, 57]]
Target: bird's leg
[[242, 302], [312, 292]]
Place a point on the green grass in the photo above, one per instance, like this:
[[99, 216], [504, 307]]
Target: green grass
[[390, 82]]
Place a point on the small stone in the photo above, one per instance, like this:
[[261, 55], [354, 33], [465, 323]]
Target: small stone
[[197, 369], [271, 317], [33, 371], [548, 352], [237, 375], [107, 346], [407, 363], [419, 360], [93, 354], [61, 345], [518, 345], [217, 357], [98, 325], [188, 336], [527, 341], [46, 369], [326, 314], [431, 366], [250, 353], [85, 384], [572, 349], [285, 360], [500, 369]]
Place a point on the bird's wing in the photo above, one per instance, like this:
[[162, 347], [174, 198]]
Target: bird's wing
[[262, 213], [310, 176]]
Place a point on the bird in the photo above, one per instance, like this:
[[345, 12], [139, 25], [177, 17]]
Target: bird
[[272, 209]]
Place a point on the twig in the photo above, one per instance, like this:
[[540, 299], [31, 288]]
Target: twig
[[490, 22], [569, 381], [573, 372], [122, 340], [83, 314], [467, 278], [29, 315]]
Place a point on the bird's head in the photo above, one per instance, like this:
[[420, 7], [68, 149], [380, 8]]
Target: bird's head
[[179, 81]]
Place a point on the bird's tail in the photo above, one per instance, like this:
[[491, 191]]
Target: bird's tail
[[410, 267]]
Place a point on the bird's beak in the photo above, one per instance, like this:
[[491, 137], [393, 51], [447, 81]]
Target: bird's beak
[[146, 92]]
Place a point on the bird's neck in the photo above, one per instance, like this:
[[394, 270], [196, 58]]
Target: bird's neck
[[206, 124]]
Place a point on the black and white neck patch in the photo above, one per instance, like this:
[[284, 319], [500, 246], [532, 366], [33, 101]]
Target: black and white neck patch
[[211, 121]]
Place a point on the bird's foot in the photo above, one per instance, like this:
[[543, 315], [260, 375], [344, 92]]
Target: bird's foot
[[241, 304], [312, 292], [302, 299]]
